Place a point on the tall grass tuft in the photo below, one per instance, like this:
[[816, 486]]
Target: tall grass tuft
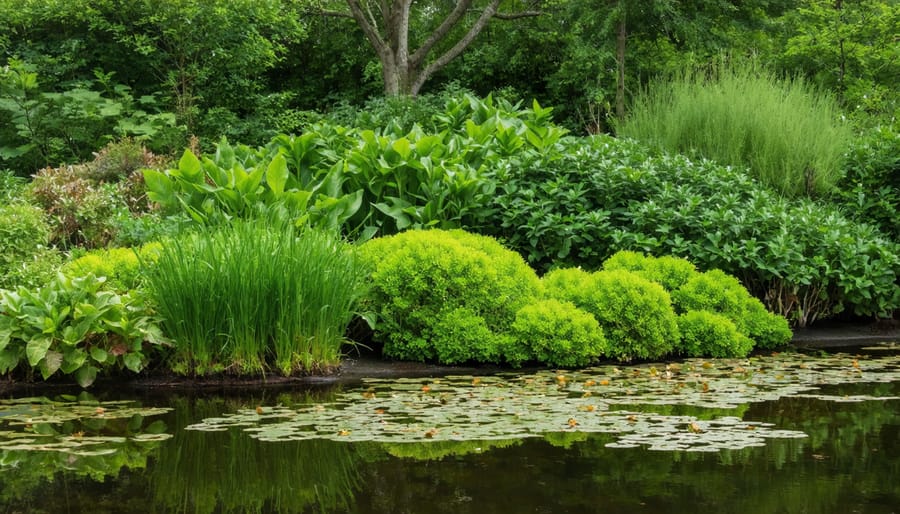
[[254, 296], [786, 131]]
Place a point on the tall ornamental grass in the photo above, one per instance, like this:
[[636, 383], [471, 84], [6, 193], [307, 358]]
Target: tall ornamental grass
[[254, 296], [786, 131]]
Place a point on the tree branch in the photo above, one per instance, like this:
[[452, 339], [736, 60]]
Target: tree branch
[[370, 30], [517, 15], [460, 45], [441, 32]]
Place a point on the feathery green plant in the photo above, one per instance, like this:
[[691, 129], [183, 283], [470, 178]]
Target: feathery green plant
[[787, 132]]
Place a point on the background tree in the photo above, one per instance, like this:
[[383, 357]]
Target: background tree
[[408, 58]]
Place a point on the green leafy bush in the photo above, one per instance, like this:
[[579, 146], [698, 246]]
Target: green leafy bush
[[254, 296], [870, 189], [636, 314], [425, 282], [787, 132], [707, 334], [600, 195], [559, 334], [667, 271], [73, 326], [24, 238], [369, 181]]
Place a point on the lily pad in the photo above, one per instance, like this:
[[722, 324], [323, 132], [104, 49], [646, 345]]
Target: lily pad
[[593, 400]]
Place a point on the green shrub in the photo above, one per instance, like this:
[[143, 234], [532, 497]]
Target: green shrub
[[787, 132], [707, 334], [717, 292], [120, 266], [73, 326], [425, 281], [24, 235], [870, 189], [600, 195], [559, 334], [254, 296], [636, 314], [667, 271]]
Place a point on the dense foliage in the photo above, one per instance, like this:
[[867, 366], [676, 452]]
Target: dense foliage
[[593, 197], [446, 295], [74, 326]]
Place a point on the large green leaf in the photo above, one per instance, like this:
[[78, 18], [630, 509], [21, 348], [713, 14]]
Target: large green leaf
[[277, 174], [36, 349], [86, 375]]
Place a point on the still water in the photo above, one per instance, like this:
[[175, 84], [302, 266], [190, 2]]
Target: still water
[[783, 435]]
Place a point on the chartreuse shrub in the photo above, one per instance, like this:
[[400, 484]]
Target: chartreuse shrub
[[787, 132], [449, 296], [254, 296], [600, 195], [73, 326], [636, 314], [717, 292], [667, 271], [120, 266], [558, 333], [705, 333]]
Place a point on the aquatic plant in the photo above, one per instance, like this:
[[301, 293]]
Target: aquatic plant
[[636, 404], [254, 296]]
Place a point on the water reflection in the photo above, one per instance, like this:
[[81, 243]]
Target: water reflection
[[850, 462], [227, 471]]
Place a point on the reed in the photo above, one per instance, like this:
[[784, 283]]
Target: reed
[[788, 133], [254, 296]]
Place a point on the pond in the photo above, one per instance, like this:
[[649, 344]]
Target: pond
[[786, 433]]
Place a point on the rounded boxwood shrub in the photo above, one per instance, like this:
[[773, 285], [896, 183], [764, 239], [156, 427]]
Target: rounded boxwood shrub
[[424, 281], [667, 271], [636, 314], [716, 291], [558, 333], [707, 334], [569, 284]]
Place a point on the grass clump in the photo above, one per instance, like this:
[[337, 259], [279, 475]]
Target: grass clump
[[786, 131], [254, 296]]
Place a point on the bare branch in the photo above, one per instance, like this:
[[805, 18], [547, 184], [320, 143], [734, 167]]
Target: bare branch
[[370, 30], [333, 14]]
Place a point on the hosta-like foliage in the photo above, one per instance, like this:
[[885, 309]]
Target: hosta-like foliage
[[74, 327]]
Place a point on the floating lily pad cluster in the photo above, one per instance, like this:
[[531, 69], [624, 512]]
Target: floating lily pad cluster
[[510, 406], [81, 428]]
